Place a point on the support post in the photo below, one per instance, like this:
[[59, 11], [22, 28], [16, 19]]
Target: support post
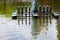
[[26, 13], [29, 15], [22, 14], [18, 15]]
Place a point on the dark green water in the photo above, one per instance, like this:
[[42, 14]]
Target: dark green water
[[38, 29]]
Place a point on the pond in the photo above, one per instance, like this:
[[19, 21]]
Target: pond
[[38, 29]]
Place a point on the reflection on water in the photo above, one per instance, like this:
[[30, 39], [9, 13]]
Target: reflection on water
[[44, 31], [58, 28], [36, 30]]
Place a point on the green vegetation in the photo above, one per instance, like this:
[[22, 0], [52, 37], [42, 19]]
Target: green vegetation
[[8, 8], [54, 3]]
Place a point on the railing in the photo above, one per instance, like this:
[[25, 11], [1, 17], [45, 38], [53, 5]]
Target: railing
[[24, 12]]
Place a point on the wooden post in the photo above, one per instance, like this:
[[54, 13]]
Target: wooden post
[[29, 15], [18, 10], [18, 15], [47, 15], [46, 8], [40, 13], [43, 9], [50, 9], [26, 13], [39, 8], [22, 14], [50, 12], [43, 13]]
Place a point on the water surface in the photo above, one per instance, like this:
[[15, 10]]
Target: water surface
[[38, 29]]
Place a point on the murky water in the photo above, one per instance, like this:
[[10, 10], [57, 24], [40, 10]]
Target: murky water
[[38, 29]]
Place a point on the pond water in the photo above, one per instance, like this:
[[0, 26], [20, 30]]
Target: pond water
[[38, 29]]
